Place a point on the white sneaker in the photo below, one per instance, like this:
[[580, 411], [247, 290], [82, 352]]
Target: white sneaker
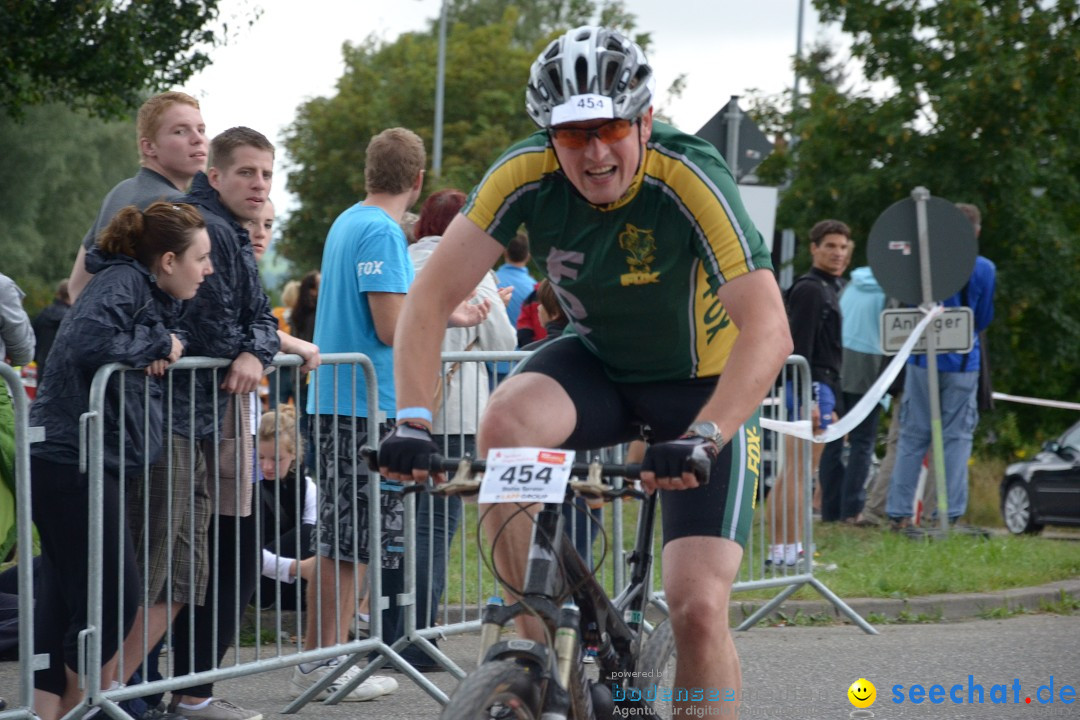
[[793, 554], [375, 686], [215, 709], [775, 556]]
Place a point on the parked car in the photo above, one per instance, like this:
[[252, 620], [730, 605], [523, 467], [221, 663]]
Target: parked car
[[1046, 489]]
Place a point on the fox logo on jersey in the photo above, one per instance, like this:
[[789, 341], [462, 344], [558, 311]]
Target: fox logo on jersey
[[641, 245]]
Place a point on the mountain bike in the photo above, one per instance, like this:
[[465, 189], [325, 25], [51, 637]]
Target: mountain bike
[[526, 680]]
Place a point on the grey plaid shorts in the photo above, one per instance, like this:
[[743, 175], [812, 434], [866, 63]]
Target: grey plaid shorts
[[169, 524], [343, 496]]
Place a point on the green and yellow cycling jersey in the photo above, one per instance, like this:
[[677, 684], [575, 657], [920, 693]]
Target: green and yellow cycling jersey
[[637, 278]]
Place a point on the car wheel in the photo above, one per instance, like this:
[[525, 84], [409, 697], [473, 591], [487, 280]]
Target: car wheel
[[1016, 510]]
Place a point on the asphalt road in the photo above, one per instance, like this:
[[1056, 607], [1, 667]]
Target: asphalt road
[[803, 672]]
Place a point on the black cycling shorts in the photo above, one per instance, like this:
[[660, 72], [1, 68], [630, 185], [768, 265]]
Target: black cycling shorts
[[611, 413]]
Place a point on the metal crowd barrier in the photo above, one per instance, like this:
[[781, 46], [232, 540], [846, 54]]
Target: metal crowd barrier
[[268, 656], [784, 460], [22, 706], [458, 614], [287, 649]]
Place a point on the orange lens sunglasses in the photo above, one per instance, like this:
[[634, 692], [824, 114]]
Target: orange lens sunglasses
[[576, 138]]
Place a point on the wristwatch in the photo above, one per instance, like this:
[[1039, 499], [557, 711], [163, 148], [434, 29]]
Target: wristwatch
[[707, 430]]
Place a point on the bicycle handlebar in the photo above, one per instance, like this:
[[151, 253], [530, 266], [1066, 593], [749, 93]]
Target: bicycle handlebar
[[632, 471]]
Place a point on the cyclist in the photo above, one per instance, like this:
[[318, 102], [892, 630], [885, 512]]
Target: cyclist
[[677, 328]]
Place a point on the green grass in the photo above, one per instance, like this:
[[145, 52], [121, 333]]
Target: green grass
[[877, 563], [267, 636], [800, 619], [1066, 604], [984, 496], [904, 617]]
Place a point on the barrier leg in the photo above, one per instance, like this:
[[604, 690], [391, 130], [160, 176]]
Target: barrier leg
[[843, 607], [768, 607]]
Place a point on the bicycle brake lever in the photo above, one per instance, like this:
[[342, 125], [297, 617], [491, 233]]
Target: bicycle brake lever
[[371, 457], [456, 487], [701, 466]]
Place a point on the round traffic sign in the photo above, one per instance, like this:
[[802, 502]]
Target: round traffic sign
[[893, 250]]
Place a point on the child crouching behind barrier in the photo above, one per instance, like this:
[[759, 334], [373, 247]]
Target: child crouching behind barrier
[[289, 501], [143, 264]]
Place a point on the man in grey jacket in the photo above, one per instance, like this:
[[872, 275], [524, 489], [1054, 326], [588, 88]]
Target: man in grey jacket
[[16, 333], [172, 147]]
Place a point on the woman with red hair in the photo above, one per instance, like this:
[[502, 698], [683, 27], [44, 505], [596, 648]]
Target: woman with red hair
[[465, 393]]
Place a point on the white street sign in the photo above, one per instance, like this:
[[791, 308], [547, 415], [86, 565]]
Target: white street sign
[[954, 330]]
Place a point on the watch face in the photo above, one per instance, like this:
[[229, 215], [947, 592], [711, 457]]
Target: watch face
[[705, 430]]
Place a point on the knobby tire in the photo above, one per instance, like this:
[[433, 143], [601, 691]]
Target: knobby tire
[[510, 687], [657, 657]]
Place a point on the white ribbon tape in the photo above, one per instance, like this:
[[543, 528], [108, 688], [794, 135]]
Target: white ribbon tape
[[803, 430], [1026, 401]]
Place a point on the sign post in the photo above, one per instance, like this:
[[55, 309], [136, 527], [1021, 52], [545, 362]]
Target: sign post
[[920, 195], [936, 267]]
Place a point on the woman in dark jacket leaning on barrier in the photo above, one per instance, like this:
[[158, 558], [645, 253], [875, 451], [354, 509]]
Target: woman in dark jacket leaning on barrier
[[144, 263]]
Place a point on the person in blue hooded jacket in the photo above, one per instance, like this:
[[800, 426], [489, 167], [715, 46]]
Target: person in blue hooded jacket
[[144, 263], [861, 303]]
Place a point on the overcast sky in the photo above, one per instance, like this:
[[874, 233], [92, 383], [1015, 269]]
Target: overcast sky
[[293, 53]]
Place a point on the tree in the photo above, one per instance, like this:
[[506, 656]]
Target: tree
[[58, 165], [101, 55], [538, 21], [490, 46], [981, 108], [387, 85]]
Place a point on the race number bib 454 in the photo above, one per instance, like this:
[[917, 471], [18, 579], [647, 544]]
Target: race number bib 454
[[583, 107], [516, 475]]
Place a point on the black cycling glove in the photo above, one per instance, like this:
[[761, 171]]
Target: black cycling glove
[[407, 447], [687, 454]]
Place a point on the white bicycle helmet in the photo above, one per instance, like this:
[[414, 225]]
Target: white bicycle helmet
[[588, 73]]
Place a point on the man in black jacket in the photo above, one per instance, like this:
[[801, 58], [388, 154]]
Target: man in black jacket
[[229, 318], [813, 307]]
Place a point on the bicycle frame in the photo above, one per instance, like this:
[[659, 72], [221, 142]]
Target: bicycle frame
[[554, 573]]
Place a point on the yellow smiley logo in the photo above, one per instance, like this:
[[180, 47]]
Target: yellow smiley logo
[[862, 693]]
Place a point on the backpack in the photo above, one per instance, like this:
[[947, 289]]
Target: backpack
[[808, 278]]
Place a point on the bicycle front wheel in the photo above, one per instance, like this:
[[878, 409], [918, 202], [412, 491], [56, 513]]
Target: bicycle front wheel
[[499, 690], [656, 669]]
